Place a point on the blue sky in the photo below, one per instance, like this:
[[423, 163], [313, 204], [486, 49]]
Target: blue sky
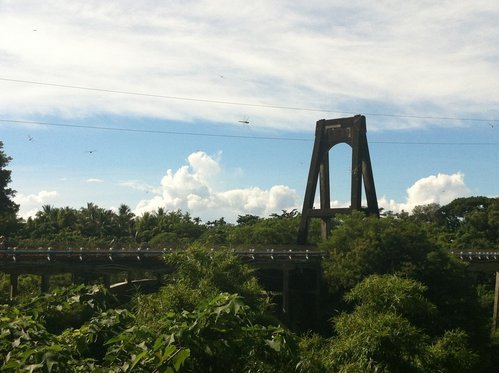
[[192, 72]]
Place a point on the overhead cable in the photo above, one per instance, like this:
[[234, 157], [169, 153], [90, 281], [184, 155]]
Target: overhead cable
[[247, 104], [201, 134]]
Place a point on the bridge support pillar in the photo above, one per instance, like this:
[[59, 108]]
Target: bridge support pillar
[[107, 281], [45, 284], [14, 285], [495, 316], [285, 292], [159, 278], [129, 277], [318, 278]]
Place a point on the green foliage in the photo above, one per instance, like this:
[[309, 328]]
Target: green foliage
[[247, 219], [211, 272], [479, 229], [8, 208], [314, 354], [141, 349], [450, 354], [408, 306], [276, 230], [89, 341], [362, 245], [393, 294], [380, 335], [68, 307], [218, 335], [376, 341], [26, 345], [179, 225], [455, 212]]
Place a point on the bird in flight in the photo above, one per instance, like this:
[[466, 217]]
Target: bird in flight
[[30, 138], [90, 151], [244, 120]]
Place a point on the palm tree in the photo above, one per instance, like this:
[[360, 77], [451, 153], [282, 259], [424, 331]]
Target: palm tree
[[125, 221]]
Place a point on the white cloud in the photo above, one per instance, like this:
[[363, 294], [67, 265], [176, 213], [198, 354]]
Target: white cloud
[[440, 189], [430, 58], [195, 188], [139, 185], [30, 204], [40, 197], [94, 180]]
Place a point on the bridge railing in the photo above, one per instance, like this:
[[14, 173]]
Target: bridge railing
[[474, 256], [15, 254]]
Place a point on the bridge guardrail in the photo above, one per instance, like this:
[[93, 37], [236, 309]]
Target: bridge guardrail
[[14, 254], [477, 256]]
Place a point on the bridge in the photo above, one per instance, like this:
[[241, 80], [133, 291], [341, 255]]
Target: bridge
[[287, 272], [278, 269]]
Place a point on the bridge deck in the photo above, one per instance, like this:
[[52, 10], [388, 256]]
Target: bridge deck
[[49, 261]]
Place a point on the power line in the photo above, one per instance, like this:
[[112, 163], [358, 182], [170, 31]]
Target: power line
[[434, 143], [247, 104], [201, 134], [120, 129]]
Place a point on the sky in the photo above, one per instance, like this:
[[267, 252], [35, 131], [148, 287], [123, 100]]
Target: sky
[[210, 106]]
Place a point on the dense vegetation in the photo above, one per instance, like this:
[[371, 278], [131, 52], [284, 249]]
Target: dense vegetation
[[394, 299]]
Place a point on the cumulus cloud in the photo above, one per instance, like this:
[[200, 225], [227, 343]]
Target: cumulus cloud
[[194, 187], [333, 55], [30, 204], [440, 189]]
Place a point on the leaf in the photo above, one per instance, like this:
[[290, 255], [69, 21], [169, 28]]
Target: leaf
[[11, 364], [16, 342], [167, 353], [32, 367], [180, 357], [137, 359], [273, 344]]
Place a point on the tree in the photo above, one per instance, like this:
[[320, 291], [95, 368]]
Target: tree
[[247, 219], [125, 221], [455, 212], [478, 227], [8, 208], [383, 333], [361, 246]]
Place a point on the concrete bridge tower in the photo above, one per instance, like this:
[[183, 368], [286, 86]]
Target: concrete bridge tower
[[329, 133]]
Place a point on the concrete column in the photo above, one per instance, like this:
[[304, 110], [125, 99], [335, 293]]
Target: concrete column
[[107, 281], [285, 292], [129, 276], [45, 284], [14, 285], [325, 194], [159, 278], [495, 316], [318, 279]]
